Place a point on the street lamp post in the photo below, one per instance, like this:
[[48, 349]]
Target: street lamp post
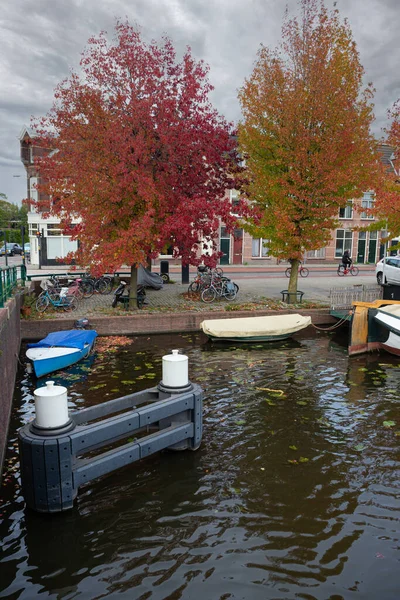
[[39, 236], [23, 244]]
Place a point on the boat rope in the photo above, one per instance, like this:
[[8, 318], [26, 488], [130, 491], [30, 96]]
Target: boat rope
[[341, 322]]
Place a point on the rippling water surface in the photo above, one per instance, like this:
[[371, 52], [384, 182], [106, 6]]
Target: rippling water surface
[[294, 492]]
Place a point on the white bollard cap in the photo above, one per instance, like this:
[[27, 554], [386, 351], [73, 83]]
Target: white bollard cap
[[175, 370], [51, 406]]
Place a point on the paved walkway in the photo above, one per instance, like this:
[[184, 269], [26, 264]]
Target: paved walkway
[[260, 287]]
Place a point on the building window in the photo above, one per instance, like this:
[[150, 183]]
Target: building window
[[344, 241], [235, 200], [224, 233], [259, 248], [33, 228], [316, 253], [53, 229], [367, 202], [347, 211]]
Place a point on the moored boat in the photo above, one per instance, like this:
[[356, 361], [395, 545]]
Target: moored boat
[[255, 329], [389, 317], [60, 350]]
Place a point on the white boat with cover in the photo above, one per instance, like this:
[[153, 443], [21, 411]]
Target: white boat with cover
[[59, 350], [255, 329]]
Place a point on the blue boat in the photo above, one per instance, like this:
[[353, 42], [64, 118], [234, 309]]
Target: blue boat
[[60, 350]]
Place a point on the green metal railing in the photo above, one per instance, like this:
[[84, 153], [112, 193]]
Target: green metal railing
[[10, 279]]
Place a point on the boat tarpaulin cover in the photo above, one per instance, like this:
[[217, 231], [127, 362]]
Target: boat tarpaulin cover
[[71, 338], [255, 326], [391, 309]]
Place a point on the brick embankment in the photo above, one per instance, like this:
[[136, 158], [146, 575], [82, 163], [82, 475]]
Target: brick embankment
[[146, 323], [9, 350]]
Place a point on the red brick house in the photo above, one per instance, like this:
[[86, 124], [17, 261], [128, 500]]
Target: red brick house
[[238, 248]]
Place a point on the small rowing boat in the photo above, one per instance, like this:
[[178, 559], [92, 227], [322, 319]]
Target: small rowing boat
[[255, 329], [60, 350]]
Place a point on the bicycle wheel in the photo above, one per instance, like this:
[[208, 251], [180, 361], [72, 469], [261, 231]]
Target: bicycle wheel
[[87, 288], [42, 303], [218, 271], [288, 271], [165, 277], [304, 272], [208, 295], [109, 281], [194, 287], [341, 270], [354, 270], [229, 294], [101, 287], [69, 303]]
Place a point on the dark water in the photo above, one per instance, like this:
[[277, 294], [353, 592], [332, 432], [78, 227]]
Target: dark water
[[293, 493]]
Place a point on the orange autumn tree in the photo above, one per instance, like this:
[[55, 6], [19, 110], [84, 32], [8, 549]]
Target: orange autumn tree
[[139, 156], [305, 134], [387, 198]]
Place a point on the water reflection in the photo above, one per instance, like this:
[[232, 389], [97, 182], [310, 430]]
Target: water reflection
[[293, 494]]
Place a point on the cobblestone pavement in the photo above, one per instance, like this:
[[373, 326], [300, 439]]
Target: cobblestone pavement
[[259, 289], [171, 297]]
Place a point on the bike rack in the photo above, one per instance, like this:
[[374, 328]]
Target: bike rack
[[292, 297]]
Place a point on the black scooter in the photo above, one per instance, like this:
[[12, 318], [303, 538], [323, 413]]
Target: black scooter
[[121, 294]]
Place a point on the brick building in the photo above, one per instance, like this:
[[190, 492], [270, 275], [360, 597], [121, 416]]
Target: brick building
[[237, 248]]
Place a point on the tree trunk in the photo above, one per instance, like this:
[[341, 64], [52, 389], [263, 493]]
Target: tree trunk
[[294, 274], [133, 288]]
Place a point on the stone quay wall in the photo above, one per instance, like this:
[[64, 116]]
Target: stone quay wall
[[10, 340], [145, 324]]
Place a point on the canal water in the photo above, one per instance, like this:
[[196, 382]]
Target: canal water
[[294, 492]]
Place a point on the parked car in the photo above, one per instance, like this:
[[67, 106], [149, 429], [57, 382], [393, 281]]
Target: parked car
[[12, 248], [390, 272], [27, 248]]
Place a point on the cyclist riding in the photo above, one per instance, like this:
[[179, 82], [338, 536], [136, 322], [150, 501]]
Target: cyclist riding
[[346, 260]]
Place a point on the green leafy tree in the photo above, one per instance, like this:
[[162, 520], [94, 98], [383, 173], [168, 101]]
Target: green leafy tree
[[12, 217]]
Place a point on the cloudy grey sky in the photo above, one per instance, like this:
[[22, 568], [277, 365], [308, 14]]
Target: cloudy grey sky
[[41, 40]]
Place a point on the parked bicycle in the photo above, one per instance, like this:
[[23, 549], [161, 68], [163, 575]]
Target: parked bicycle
[[203, 278], [220, 287], [342, 270], [76, 286], [303, 271], [60, 299], [101, 285]]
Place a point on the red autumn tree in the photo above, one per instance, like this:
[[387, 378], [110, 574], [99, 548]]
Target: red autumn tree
[[138, 153], [305, 134]]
